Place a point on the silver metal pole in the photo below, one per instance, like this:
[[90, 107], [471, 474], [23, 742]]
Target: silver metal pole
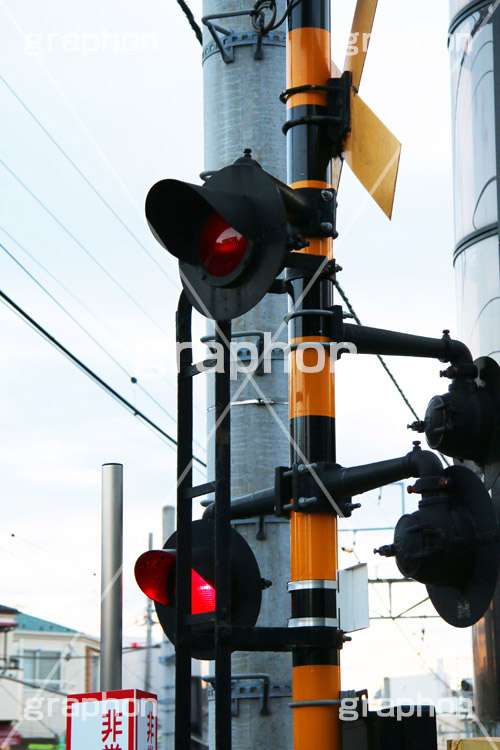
[[149, 634], [111, 577], [476, 156]]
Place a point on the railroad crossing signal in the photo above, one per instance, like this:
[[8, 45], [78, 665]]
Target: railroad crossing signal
[[229, 235], [156, 575]]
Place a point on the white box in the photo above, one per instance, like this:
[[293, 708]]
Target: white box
[[117, 720], [352, 598]]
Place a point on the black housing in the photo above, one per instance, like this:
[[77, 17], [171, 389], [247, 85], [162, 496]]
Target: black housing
[[451, 544], [246, 582], [249, 200], [465, 422]]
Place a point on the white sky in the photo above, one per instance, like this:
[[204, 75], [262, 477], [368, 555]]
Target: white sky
[[128, 119]]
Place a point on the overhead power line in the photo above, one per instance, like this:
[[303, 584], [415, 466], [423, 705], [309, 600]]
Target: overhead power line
[[192, 21], [87, 181], [380, 359], [90, 336], [82, 246], [90, 373], [383, 362]]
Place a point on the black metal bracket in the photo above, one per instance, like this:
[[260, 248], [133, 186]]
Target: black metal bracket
[[335, 320], [231, 39], [338, 117], [271, 639], [304, 485]]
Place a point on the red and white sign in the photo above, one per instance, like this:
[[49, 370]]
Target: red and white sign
[[118, 720]]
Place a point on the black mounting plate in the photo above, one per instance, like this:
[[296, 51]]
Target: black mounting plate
[[463, 608]]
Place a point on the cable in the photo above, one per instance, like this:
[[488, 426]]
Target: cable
[[272, 4], [383, 362], [82, 246], [88, 182], [380, 359], [93, 376], [101, 322], [31, 685], [192, 21], [92, 338]]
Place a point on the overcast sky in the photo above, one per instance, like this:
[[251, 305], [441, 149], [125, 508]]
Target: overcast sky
[[128, 115]]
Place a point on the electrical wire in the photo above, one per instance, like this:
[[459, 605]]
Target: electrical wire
[[87, 181], [100, 321], [85, 250], [382, 361], [90, 373], [93, 339], [192, 21]]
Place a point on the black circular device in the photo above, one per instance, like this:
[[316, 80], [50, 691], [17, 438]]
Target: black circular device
[[246, 582], [241, 212], [464, 606]]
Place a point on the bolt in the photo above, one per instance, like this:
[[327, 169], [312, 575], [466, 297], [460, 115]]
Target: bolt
[[387, 550], [133, 380], [446, 332], [411, 489], [444, 483], [416, 445], [327, 195], [248, 152], [326, 226], [338, 268]]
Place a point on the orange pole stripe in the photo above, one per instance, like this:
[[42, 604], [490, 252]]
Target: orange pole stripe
[[312, 184], [308, 61], [314, 550], [316, 727], [313, 392]]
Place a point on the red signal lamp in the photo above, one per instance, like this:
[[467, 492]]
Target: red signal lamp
[[156, 572], [155, 576], [229, 236], [222, 248]]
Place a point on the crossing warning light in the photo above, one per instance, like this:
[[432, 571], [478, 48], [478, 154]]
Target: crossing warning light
[[155, 573], [229, 235]]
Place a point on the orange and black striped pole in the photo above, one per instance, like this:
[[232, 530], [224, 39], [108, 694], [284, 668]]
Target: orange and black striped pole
[[316, 671]]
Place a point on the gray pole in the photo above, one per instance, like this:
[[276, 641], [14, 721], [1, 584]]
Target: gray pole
[[476, 156], [242, 110], [111, 577], [149, 634]]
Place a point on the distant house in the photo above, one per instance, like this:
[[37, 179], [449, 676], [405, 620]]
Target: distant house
[[42, 662], [50, 661]]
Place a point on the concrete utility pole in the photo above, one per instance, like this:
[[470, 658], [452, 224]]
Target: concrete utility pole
[[242, 110], [476, 154], [111, 577]]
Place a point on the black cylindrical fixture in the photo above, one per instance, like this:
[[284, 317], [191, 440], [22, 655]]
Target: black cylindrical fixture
[[380, 341]]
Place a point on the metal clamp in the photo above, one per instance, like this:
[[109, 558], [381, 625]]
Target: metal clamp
[[259, 335], [231, 39], [315, 584], [261, 689], [313, 622], [304, 704], [338, 117]]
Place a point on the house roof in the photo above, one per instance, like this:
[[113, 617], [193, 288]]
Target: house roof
[[8, 610], [27, 622]]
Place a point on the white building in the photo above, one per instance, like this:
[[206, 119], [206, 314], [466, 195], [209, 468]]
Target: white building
[[42, 663]]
